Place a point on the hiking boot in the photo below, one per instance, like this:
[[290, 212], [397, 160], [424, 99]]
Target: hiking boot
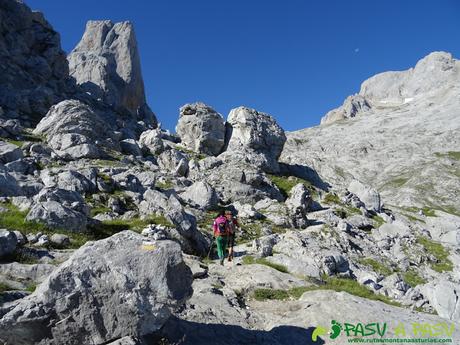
[[230, 259], [222, 262]]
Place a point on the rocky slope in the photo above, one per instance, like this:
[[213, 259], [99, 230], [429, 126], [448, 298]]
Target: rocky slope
[[105, 218], [405, 142]]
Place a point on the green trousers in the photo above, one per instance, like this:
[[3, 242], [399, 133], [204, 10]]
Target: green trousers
[[221, 242]]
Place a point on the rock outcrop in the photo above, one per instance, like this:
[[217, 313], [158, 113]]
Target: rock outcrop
[[256, 132], [107, 289], [405, 146], [201, 129], [33, 66], [75, 130], [106, 64], [434, 74]]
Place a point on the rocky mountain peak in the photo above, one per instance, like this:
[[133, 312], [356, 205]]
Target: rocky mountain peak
[[432, 76], [32, 64], [106, 63]]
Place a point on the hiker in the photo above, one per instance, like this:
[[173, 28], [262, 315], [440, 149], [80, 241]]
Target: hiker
[[232, 224], [220, 233]]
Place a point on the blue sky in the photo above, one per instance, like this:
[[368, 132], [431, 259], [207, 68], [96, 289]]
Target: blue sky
[[294, 59]]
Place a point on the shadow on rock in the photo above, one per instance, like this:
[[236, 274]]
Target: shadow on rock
[[305, 173], [183, 332]]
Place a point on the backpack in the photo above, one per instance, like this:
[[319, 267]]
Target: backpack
[[221, 226]]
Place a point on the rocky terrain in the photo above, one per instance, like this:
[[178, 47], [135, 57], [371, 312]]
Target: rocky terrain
[[105, 217]]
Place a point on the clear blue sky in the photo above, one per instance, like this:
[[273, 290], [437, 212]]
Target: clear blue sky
[[294, 59]]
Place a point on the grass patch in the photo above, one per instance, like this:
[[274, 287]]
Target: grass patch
[[15, 219], [335, 284], [5, 287], [250, 260], [109, 227], [270, 294], [31, 288], [412, 278], [286, 183], [442, 264], [331, 198], [429, 212], [164, 185], [378, 221], [454, 155], [378, 267]]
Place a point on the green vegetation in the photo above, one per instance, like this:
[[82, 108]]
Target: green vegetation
[[397, 182], [454, 155], [109, 227], [206, 221], [412, 278], [286, 183], [331, 283], [331, 198], [17, 143], [442, 264], [5, 287], [104, 177], [190, 153], [164, 185], [378, 221], [31, 288], [14, 219], [429, 212], [376, 266], [250, 260]]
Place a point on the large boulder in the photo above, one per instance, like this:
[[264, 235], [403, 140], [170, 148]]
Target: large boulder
[[32, 64], [9, 152], [57, 216], [151, 141], [108, 289], [8, 242], [201, 129], [8, 184], [76, 130], [444, 297], [201, 194], [185, 228], [298, 204], [106, 64], [369, 196], [256, 133]]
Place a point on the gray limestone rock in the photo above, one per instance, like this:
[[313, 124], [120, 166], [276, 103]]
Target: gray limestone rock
[[32, 64], [255, 132], [9, 152], [201, 129], [8, 242], [76, 130], [106, 290], [106, 64], [201, 194], [369, 196]]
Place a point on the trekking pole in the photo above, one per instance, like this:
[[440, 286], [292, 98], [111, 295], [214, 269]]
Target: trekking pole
[[210, 247]]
